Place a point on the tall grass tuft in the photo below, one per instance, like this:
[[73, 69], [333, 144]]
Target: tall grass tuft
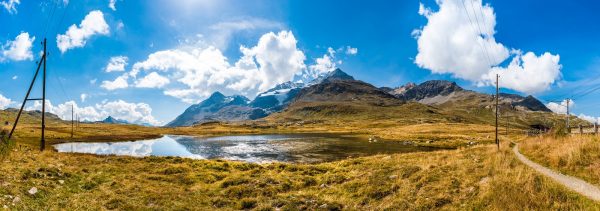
[[559, 131], [4, 144]]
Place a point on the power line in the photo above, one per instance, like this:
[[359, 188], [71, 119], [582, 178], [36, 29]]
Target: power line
[[473, 27], [62, 18], [49, 18], [585, 93], [481, 33], [485, 25]]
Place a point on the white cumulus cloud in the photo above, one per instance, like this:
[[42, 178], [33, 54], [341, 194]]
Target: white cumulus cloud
[[202, 70], [458, 39], [10, 5], [77, 36], [152, 80], [560, 108], [119, 83], [83, 97], [278, 58], [136, 113], [4, 102], [116, 64], [322, 65], [18, 49], [590, 119], [351, 50], [111, 5], [527, 73]]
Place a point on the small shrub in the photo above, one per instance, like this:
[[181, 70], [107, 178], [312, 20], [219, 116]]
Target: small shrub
[[408, 171], [334, 179], [559, 131], [174, 170], [234, 181], [309, 181], [247, 204], [239, 192], [114, 204]]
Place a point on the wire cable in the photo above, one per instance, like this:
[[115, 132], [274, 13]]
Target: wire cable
[[49, 19], [473, 27], [481, 33]]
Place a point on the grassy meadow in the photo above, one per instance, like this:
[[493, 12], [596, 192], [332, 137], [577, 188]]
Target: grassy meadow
[[576, 155], [472, 175], [477, 177]]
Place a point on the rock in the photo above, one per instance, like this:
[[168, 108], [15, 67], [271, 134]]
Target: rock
[[16, 199], [5, 207], [33, 191], [323, 206], [471, 189], [61, 182], [393, 176]]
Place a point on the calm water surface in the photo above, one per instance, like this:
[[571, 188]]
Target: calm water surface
[[301, 148]]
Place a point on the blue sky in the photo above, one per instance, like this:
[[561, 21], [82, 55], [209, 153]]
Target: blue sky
[[187, 49]]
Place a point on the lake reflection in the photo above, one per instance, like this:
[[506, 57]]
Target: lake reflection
[[249, 148]]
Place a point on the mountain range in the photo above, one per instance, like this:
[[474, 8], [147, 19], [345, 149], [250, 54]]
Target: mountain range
[[111, 120], [337, 88]]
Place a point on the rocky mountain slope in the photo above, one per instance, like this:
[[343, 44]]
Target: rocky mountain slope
[[207, 109], [337, 93], [449, 94], [277, 98], [111, 120], [339, 86]]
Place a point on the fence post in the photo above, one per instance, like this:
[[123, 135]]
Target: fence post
[[596, 128], [581, 129]]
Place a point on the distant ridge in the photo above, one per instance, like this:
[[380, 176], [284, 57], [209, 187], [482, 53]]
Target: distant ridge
[[111, 120], [448, 93], [337, 87]]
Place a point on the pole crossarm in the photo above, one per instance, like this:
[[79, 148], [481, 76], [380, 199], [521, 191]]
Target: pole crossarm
[[43, 99], [37, 71]]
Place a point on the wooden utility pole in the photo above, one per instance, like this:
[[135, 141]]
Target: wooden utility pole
[[43, 142], [568, 126], [497, 96], [72, 120], [43, 99], [507, 125]]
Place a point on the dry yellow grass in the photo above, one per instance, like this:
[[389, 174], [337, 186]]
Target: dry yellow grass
[[470, 178], [576, 155]]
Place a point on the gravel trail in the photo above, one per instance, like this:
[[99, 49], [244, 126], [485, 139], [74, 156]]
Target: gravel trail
[[573, 183]]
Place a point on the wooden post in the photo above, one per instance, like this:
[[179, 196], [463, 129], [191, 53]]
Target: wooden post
[[596, 128], [507, 126], [497, 96], [43, 141], [568, 125], [581, 129], [72, 121]]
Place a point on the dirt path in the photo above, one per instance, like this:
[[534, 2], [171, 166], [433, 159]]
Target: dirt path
[[573, 183]]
